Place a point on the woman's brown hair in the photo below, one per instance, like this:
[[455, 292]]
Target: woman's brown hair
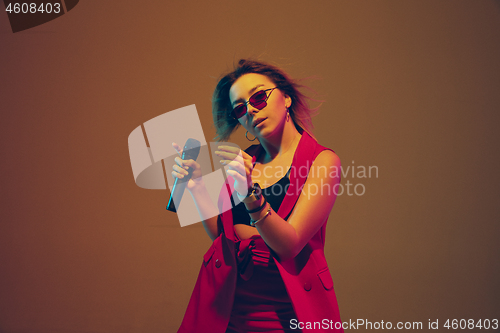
[[224, 122]]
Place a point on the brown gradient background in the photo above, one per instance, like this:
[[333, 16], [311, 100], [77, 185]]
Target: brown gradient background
[[409, 86]]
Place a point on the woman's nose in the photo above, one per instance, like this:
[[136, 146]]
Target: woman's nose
[[251, 109]]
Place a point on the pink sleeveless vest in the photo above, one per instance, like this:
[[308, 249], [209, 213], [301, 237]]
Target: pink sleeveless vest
[[306, 277]]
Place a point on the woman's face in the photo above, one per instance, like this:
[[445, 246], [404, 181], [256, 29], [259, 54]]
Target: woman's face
[[272, 117]]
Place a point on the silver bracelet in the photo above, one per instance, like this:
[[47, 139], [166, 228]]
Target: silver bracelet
[[253, 223]]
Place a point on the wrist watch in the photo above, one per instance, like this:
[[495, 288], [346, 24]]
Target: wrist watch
[[254, 194]]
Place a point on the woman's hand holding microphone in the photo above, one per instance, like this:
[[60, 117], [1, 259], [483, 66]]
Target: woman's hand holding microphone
[[184, 167], [240, 167]]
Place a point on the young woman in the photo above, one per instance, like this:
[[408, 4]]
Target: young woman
[[266, 270]]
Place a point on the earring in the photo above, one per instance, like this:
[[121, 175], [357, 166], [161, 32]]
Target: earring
[[246, 135], [287, 115]]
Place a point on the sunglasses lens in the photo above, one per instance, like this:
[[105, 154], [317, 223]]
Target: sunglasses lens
[[239, 111], [258, 100]]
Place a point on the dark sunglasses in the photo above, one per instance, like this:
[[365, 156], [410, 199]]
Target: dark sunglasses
[[257, 100]]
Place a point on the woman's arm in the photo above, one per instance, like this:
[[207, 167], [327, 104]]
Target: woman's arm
[[208, 212], [288, 238], [196, 187]]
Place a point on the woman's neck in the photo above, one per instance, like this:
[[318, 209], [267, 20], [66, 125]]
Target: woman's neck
[[277, 146]]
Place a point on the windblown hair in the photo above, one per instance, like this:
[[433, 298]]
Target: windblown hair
[[224, 122]]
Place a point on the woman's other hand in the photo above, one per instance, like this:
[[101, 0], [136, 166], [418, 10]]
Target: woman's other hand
[[240, 167], [183, 167]]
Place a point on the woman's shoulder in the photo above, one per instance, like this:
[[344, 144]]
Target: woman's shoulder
[[327, 157]]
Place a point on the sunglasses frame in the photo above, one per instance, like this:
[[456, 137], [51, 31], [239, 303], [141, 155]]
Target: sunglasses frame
[[233, 113]]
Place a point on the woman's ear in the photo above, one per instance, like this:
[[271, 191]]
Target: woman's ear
[[288, 101]]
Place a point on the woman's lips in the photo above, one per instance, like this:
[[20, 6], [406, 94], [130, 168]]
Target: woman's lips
[[259, 122]]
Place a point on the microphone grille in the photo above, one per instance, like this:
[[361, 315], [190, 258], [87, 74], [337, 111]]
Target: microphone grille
[[191, 149]]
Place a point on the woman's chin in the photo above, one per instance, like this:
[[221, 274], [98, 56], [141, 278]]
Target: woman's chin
[[266, 133]]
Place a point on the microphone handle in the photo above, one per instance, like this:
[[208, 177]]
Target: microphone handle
[[190, 152], [178, 190]]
